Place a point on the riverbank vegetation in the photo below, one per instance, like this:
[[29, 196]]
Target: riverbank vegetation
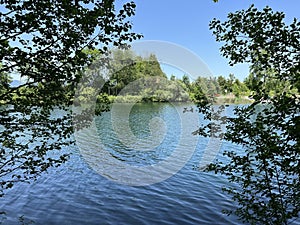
[[133, 78]]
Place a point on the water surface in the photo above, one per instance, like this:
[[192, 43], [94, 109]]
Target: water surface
[[75, 194]]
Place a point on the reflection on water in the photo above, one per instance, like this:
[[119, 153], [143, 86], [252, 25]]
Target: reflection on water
[[76, 194], [166, 146], [155, 132]]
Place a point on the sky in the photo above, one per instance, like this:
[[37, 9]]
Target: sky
[[185, 23]]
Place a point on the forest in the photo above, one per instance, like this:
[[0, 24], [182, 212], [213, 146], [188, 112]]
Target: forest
[[145, 81]]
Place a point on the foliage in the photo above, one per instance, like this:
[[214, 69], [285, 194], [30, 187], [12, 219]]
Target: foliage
[[267, 172], [133, 79], [127, 67], [43, 42], [5, 80], [270, 83], [219, 89]]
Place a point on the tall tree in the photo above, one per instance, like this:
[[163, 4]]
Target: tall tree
[[43, 42], [223, 84], [186, 81], [266, 172], [126, 67]]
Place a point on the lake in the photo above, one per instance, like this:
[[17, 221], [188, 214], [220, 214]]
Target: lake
[[102, 182]]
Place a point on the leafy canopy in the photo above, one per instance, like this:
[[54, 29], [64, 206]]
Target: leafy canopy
[[42, 43], [266, 173]]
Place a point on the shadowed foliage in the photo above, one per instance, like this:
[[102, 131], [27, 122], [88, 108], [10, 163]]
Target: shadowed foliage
[[266, 174], [42, 43]]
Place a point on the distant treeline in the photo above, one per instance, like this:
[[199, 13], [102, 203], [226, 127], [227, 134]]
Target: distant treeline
[[131, 78]]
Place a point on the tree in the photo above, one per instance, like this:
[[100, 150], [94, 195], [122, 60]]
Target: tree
[[269, 82], [126, 67], [267, 172], [223, 84], [122, 68], [172, 78], [44, 42], [186, 81], [5, 80]]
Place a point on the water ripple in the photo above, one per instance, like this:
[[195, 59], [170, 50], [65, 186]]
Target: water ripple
[[75, 194]]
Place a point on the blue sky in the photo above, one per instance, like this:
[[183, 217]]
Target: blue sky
[[186, 23]]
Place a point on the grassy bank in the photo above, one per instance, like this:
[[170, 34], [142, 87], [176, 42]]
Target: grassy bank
[[224, 99]]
